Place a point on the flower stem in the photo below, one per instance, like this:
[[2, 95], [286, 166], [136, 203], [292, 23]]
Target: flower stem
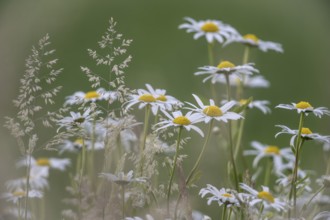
[[28, 168], [228, 87], [123, 197], [210, 51], [223, 217], [195, 167], [268, 171], [173, 169], [240, 135], [144, 138], [246, 55], [295, 169]]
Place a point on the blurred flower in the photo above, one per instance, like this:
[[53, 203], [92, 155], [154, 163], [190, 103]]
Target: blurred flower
[[222, 196], [209, 112], [121, 178], [324, 181], [226, 67], [259, 104], [18, 194], [179, 120], [248, 81], [91, 96], [75, 120], [306, 134], [253, 41], [264, 197], [306, 108], [213, 30], [263, 150], [54, 163]]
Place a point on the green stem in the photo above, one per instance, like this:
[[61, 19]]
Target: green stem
[[230, 212], [173, 169], [246, 55], [311, 199], [228, 87], [123, 197], [210, 51], [240, 135], [268, 171], [232, 156], [144, 138], [28, 168], [295, 169], [195, 167], [223, 217]]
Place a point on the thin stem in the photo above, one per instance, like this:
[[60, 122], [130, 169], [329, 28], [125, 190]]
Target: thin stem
[[195, 167], [311, 199], [123, 197], [210, 51], [173, 169], [240, 135], [268, 171], [144, 138], [232, 156], [295, 169], [228, 87], [223, 217], [28, 168], [230, 212], [19, 209], [246, 55]]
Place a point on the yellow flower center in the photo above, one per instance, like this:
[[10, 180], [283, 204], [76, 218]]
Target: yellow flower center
[[225, 64], [43, 162], [266, 196], [181, 120], [306, 131], [251, 37], [272, 150], [243, 101], [19, 193], [92, 95], [161, 98], [79, 141], [303, 105], [227, 195], [210, 27], [212, 111], [147, 98]]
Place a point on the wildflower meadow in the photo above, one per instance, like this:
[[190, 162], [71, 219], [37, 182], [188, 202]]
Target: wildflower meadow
[[102, 142]]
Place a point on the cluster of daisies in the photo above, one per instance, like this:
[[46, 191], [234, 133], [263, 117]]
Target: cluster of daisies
[[286, 192]]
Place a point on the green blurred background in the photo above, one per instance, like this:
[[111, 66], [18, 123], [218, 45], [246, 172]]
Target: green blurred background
[[167, 57]]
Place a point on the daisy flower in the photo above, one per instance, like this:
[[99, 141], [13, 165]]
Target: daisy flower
[[37, 180], [252, 40], [225, 67], [75, 120], [263, 150], [121, 178], [144, 98], [248, 81], [213, 30], [306, 134], [221, 196], [264, 197], [306, 108], [18, 194], [177, 119], [262, 105], [53, 163], [169, 102], [211, 111], [91, 96]]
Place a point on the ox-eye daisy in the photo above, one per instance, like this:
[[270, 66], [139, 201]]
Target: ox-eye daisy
[[91, 96], [225, 67], [306, 108], [222, 196], [306, 134], [169, 102], [144, 98], [257, 81], [211, 111], [263, 150], [177, 119], [213, 30], [53, 163], [121, 178], [76, 119], [16, 195], [262, 105], [264, 197], [252, 40]]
